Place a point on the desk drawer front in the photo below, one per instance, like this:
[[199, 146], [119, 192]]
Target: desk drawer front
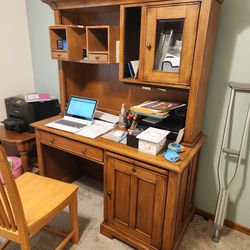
[[73, 147], [59, 55], [98, 57]]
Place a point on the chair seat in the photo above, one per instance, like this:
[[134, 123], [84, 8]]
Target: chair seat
[[42, 197]]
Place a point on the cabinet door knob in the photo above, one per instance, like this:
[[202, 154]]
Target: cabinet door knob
[[83, 151], [148, 46], [109, 194], [133, 169], [52, 140]]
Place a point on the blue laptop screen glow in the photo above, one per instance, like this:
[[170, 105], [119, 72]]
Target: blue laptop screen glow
[[82, 108]]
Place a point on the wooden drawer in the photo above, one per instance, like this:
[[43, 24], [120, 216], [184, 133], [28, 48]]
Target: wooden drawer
[[74, 147], [98, 57], [59, 55]]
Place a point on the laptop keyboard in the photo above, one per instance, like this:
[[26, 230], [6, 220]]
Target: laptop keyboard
[[71, 124]]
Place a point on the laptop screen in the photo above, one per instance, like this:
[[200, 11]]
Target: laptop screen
[[83, 108]]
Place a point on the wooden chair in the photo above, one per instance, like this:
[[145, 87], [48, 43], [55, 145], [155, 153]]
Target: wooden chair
[[28, 203]]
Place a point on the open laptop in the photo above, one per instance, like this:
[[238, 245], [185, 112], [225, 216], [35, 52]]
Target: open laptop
[[80, 113]]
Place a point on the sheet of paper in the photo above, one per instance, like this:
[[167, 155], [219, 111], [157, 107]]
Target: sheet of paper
[[106, 116], [93, 131], [103, 124]]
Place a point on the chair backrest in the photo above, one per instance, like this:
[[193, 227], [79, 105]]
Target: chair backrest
[[11, 209]]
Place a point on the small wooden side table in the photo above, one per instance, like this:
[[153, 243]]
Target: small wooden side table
[[24, 142]]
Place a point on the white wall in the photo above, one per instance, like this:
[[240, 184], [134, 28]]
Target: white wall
[[40, 17], [16, 73]]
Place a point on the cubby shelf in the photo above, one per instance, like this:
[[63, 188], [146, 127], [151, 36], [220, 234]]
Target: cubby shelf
[[70, 38], [101, 43], [69, 42]]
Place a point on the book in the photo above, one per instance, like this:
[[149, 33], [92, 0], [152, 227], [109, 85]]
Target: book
[[131, 71], [156, 108], [37, 97], [152, 120], [135, 66], [117, 51], [152, 115]]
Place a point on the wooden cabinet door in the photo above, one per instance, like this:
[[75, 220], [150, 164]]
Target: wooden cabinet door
[[136, 201], [169, 43]]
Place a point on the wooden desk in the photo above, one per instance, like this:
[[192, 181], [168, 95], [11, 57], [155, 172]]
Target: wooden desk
[[147, 200], [23, 141]]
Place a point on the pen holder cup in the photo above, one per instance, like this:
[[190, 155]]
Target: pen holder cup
[[132, 141]]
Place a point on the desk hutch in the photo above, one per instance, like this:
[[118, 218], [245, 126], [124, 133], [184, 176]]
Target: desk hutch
[[148, 202]]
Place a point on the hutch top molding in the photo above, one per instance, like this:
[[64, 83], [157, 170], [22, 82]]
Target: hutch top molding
[[71, 4]]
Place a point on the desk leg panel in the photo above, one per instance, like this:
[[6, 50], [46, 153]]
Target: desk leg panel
[[40, 154]]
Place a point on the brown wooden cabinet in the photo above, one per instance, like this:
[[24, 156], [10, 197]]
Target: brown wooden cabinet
[[148, 201], [162, 37], [135, 200], [168, 46]]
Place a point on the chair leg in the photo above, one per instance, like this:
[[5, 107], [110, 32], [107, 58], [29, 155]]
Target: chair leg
[[74, 219], [25, 245]]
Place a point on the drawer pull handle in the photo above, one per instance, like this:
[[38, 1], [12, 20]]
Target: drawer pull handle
[[83, 151], [109, 194], [148, 46], [97, 57], [52, 140], [133, 169]]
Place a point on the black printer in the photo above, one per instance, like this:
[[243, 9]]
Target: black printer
[[20, 114]]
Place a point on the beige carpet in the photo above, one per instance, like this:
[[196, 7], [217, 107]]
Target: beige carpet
[[90, 203]]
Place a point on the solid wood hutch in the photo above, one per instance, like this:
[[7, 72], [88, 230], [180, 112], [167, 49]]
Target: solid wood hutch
[[148, 202]]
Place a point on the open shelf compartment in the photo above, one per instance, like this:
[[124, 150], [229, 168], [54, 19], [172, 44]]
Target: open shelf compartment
[[67, 41], [101, 43]]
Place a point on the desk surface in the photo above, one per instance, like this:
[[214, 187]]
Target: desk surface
[[125, 150], [14, 137]]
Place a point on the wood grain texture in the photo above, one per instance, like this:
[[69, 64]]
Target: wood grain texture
[[119, 148], [207, 29], [134, 194], [30, 202], [189, 14], [105, 86], [171, 211], [14, 137], [24, 142], [65, 4]]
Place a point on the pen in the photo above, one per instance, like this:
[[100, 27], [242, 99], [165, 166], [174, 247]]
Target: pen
[[133, 125]]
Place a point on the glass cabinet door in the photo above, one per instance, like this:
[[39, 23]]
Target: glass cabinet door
[[168, 45], [170, 41]]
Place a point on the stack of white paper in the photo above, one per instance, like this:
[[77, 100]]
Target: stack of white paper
[[96, 129]]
